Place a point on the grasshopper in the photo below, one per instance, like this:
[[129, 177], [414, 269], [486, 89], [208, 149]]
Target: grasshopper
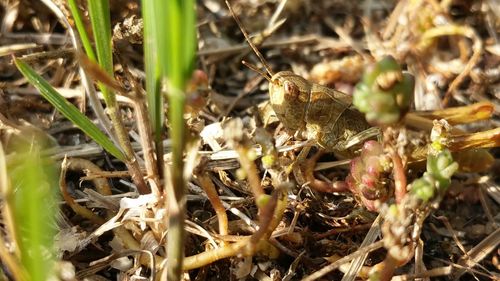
[[324, 114], [328, 117]]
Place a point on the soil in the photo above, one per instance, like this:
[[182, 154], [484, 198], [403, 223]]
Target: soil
[[327, 42]]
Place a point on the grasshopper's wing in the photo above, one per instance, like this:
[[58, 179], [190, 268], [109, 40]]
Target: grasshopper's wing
[[331, 119], [326, 105]]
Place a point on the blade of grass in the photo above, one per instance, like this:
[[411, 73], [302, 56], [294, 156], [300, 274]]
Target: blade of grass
[[86, 83], [153, 17], [68, 110], [10, 259], [34, 208], [80, 26], [169, 62], [170, 46], [180, 48], [101, 24]]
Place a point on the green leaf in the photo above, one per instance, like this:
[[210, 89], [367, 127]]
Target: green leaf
[[68, 110]]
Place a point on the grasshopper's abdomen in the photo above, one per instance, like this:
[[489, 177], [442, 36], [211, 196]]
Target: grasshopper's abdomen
[[339, 132]]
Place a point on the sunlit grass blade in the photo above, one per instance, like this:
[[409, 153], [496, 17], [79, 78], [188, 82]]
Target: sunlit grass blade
[[179, 36], [154, 15], [68, 110], [181, 46], [10, 259], [80, 26], [101, 25], [35, 208]]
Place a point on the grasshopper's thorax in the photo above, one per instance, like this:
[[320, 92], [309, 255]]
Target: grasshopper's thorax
[[289, 95]]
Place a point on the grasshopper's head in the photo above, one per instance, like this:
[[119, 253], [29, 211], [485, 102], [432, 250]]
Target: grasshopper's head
[[289, 92], [289, 96]]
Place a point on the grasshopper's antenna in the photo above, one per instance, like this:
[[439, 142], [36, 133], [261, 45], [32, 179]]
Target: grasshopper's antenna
[[245, 33], [256, 69]]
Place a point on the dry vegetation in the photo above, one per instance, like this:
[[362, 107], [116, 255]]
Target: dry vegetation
[[450, 46]]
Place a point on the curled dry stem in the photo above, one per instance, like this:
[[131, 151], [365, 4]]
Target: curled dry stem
[[77, 208], [266, 228], [398, 171], [209, 188], [454, 30], [319, 185]]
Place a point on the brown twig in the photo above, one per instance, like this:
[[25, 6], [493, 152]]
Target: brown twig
[[77, 208], [234, 249], [209, 188], [146, 134], [325, 270]]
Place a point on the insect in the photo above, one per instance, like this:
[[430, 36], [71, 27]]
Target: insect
[[328, 116], [324, 114]]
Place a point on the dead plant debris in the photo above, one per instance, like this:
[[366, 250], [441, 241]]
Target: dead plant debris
[[254, 208]]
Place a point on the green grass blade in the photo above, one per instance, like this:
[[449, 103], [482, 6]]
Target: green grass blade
[[68, 110], [154, 18], [101, 25], [34, 208], [189, 44], [180, 54], [80, 26], [181, 41]]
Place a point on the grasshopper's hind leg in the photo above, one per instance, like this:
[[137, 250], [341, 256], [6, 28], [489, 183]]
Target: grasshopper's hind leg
[[304, 173]]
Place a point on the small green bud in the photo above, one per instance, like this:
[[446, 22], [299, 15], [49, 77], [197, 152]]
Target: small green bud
[[268, 161], [252, 155], [262, 200], [241, 174], [385, 93], [450, 170], [393, 211], [441, 165], [387, 64], [423, 188]]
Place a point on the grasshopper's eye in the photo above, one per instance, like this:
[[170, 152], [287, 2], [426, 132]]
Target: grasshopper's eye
[[290, 88]]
